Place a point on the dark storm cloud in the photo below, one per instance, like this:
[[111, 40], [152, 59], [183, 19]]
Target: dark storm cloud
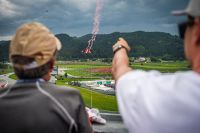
[[149, 15], [75, 17]]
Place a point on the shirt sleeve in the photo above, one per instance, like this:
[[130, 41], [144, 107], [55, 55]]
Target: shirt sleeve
[[151, 102], [133, 90]]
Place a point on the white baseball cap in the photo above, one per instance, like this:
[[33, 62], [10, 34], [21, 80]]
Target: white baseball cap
[[193, 9]]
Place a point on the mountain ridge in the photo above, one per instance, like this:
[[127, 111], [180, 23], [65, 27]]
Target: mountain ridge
[[156, 44]]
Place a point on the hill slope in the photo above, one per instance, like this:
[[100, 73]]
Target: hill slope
[[156, 44]]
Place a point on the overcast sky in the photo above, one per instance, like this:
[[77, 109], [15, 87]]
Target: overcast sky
[[75, 17]]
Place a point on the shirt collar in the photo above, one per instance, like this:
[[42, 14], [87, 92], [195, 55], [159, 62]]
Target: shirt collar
[[30, 80]]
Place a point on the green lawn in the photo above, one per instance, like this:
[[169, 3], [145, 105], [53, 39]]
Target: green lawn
[[162, 67], [86, 73], [5, 71], [13, 76], [83, 65], [100, 101], [107, 102], [84, 70]]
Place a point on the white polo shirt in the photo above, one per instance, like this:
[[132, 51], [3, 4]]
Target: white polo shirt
[[152, 102]]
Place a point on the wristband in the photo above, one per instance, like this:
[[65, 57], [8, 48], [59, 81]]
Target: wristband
[[118, 47]]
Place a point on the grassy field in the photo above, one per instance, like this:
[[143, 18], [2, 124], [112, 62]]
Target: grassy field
[[100, 101], [4, 71], [106, 102], [83, 65], [86, 73], [162, 67], [83, 70], [13, 76]]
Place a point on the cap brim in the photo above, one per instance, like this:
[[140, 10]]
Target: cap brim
[[58, 44], [179, 13]]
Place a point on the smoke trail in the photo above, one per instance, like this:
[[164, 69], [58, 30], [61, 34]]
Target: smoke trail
[[95, 29]]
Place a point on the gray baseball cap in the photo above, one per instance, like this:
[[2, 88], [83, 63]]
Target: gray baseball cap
[[193, 9]]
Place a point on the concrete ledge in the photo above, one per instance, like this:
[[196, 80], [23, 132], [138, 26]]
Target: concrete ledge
[[114, 124]]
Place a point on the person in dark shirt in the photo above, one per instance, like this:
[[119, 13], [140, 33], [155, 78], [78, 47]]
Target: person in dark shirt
[[33, 105]]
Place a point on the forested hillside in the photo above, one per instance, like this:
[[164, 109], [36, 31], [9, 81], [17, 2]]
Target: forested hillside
[[151, 44]]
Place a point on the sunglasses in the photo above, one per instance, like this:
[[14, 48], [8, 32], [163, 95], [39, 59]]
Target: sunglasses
[[183, 26]]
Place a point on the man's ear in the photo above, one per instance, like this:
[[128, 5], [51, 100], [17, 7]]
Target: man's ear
[[197, 32], [52, 64]]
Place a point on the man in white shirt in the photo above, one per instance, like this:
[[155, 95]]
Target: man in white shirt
[[152, 102]]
